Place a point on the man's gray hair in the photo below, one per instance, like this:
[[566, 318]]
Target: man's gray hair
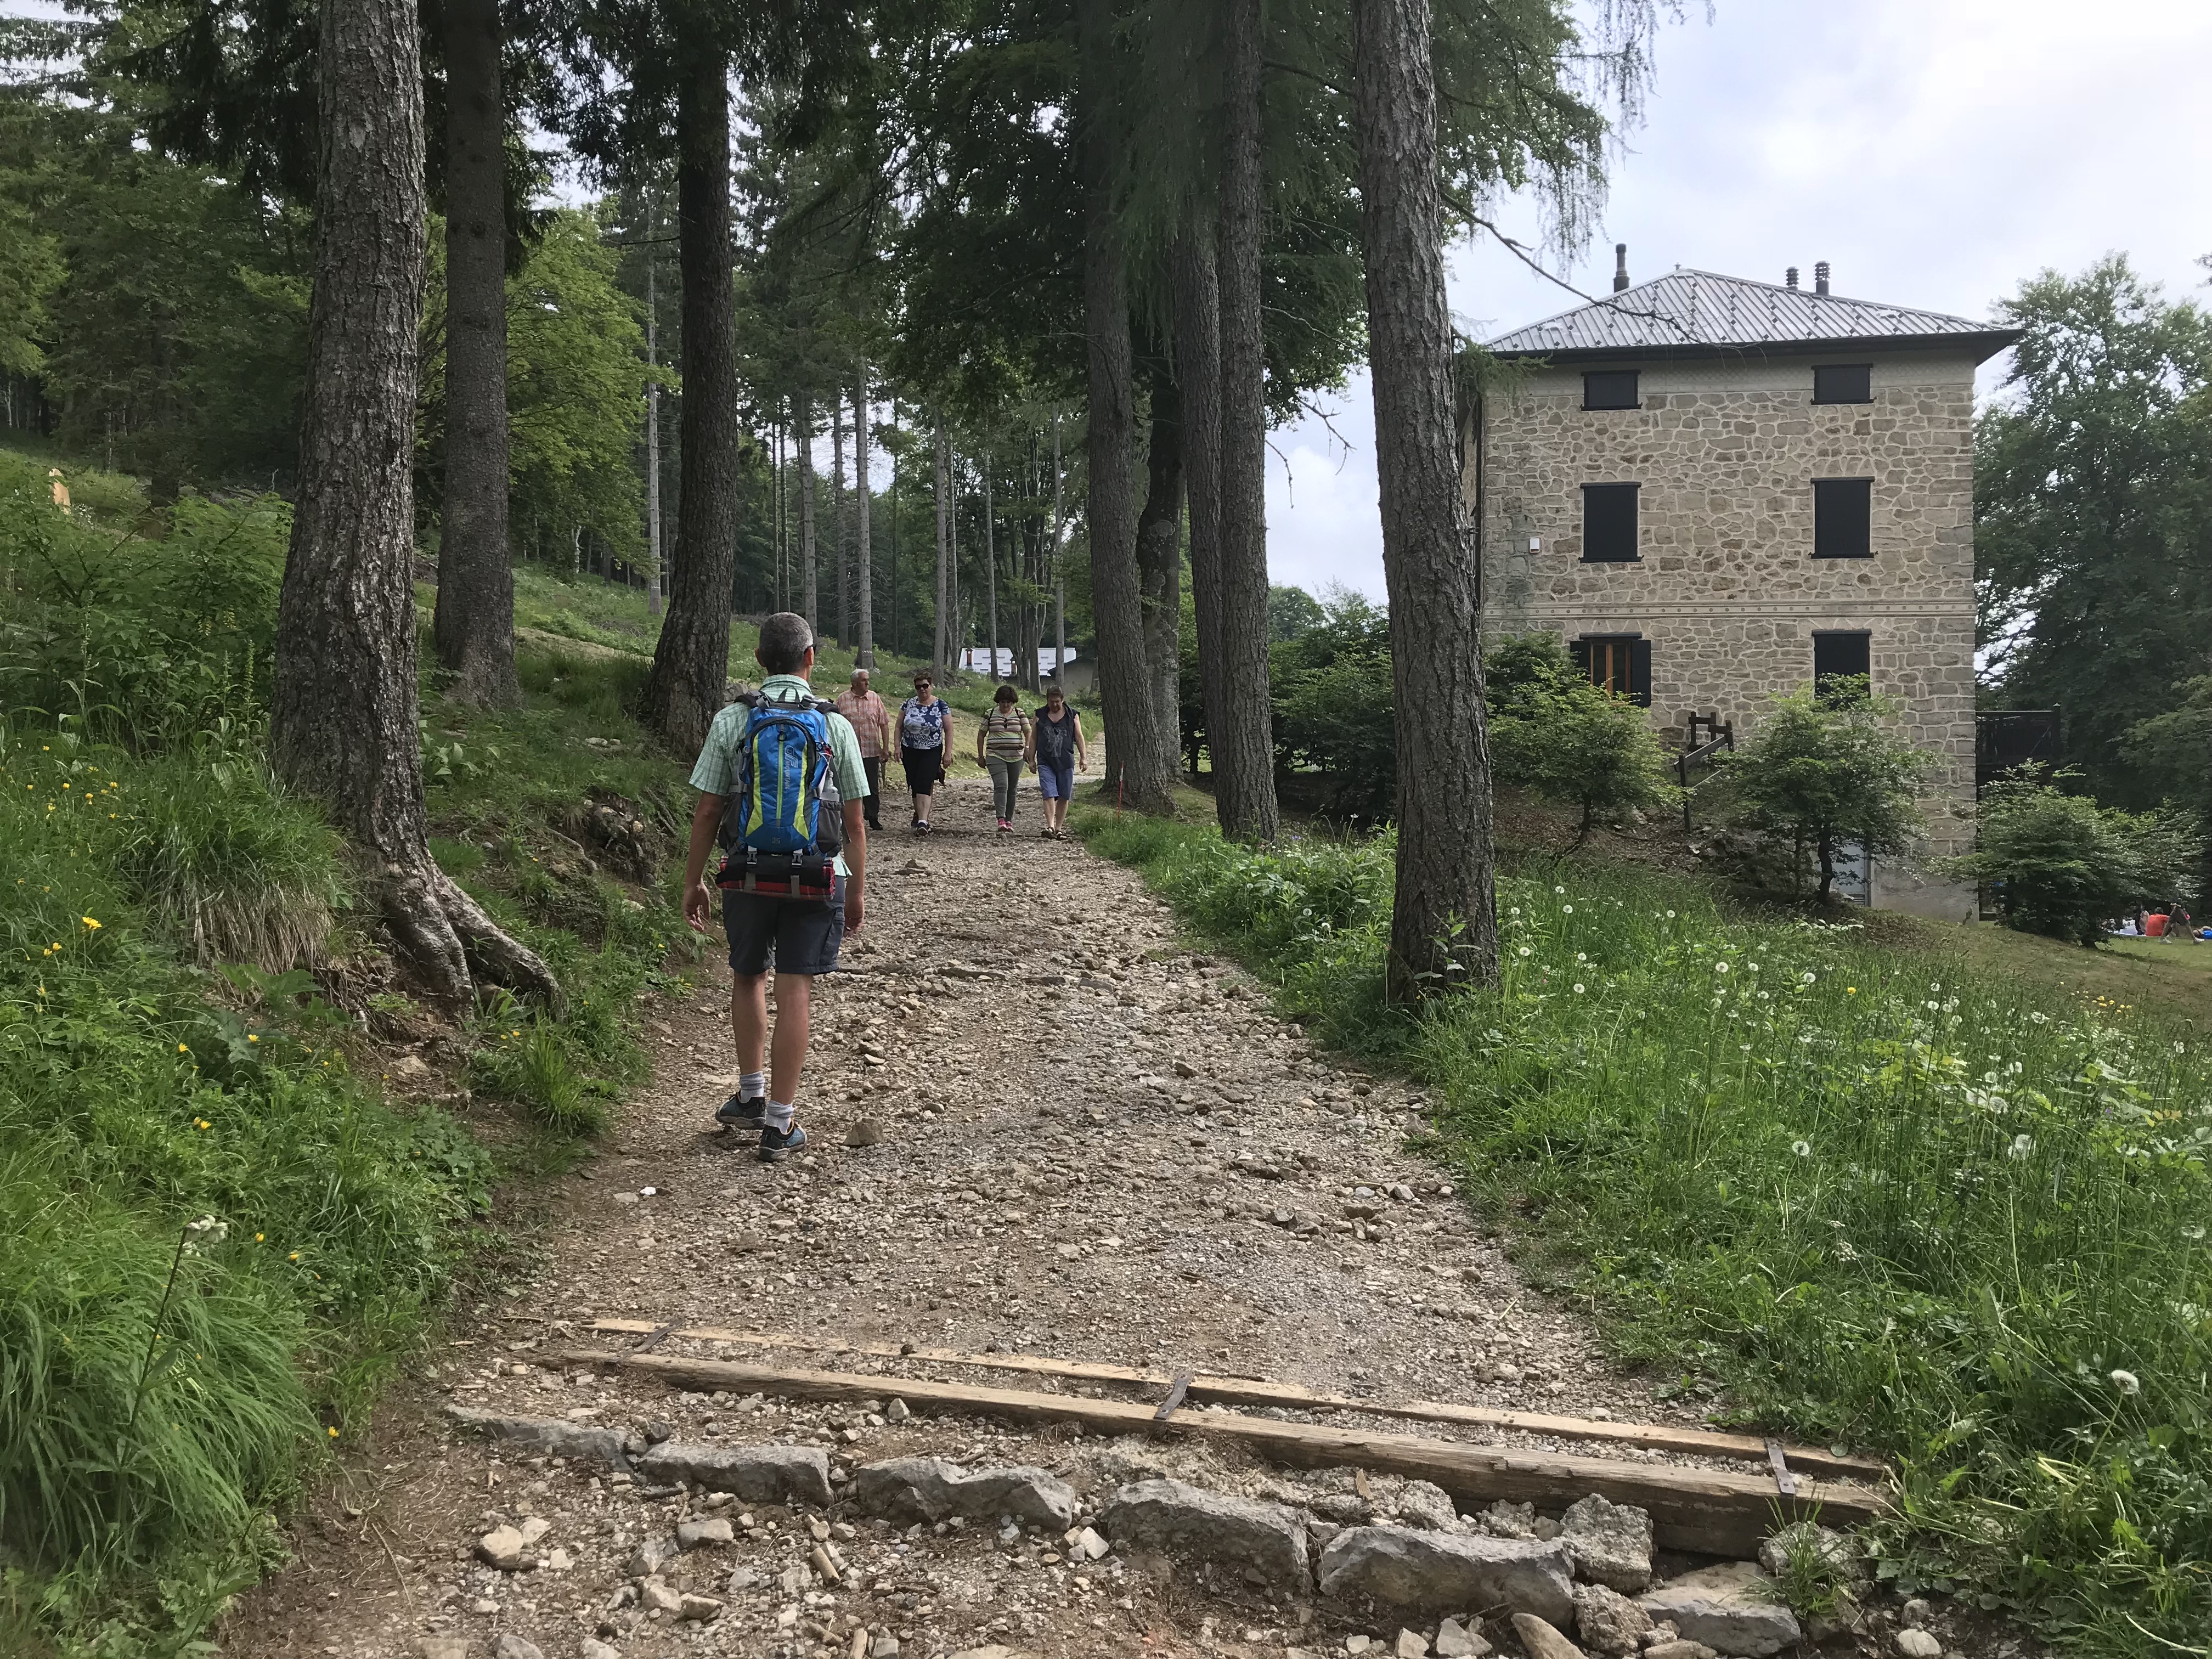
[[785, 639]]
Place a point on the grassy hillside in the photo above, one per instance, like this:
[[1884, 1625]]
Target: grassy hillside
[[1939, 1192], [241, 1168]]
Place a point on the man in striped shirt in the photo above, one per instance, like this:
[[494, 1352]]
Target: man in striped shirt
[[871, 724]]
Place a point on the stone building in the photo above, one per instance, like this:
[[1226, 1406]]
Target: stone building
[[1719, 490]]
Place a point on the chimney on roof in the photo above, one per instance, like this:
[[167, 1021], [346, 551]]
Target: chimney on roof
[[1820, 278], [1620, 267], [1790, 278]]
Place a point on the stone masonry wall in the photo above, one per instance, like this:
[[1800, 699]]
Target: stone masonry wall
[[1726, 589]]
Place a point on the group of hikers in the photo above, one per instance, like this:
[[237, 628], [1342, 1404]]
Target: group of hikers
[[788, 789], [1008, 742]]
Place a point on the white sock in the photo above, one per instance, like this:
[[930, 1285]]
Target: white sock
[[752, 1085], [778, 1116]]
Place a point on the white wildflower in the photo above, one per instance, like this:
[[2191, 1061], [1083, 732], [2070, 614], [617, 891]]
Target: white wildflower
[[2021, 1147], [2127, 1382], [1802, 1148], [1578, 988]]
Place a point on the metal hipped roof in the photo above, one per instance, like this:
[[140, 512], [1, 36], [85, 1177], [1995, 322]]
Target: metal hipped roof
[[1700, 313]]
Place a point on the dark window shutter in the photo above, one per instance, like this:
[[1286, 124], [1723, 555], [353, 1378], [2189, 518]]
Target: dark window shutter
[[1842, 383], [1609, 523], [1639, 672], [1843, 518], [1611, 388]]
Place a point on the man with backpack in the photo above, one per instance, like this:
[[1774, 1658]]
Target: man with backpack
[[781, 787]]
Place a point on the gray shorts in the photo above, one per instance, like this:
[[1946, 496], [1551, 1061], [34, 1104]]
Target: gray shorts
[[797, 936]]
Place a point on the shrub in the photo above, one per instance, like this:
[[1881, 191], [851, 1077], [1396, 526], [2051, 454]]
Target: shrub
[[1819, 773], [1336, 708], [1573, 742], [2060, 864], [227, 864]]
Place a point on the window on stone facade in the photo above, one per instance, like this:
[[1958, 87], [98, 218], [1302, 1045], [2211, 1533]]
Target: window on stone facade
[[1609, 523], [1843, 666], [1843, 518], [1618, 663], [1842, 383], [1611, 388]]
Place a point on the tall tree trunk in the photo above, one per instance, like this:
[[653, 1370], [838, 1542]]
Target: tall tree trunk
[[1159, 567], [1444, 920], [691, 664], [864, 548], [654, 569], [1243, 746], [1116, 599], [473, 625], [844, 608], [943, 640], [1059, 585], [343, 713], [809, 596], [991, 568], [1197, 304]]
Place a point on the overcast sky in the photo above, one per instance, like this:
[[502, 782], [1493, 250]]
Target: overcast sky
[[1935, 154]]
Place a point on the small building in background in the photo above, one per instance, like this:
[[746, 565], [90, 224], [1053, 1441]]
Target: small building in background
[[1719, 490]]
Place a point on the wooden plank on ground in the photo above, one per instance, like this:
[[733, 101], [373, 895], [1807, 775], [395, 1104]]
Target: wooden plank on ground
[[1711, 1511], [1257, 1392]]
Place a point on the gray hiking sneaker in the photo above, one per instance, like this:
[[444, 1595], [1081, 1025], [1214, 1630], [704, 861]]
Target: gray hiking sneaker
[[775, 1144], [738, 1113]]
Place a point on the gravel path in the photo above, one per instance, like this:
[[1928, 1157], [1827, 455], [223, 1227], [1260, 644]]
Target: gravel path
[[1096, 1145]]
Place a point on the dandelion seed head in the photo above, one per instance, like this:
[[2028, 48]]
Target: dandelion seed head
[[2127, 1382]]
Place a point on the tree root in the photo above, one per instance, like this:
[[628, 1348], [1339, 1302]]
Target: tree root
[[449, 943]]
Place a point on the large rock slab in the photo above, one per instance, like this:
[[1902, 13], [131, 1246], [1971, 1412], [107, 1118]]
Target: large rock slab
[[931, 1489], [563, 1439], [1207, 1526], [1611, 1543], [1731, 1608], [760, 1474], [1540, 1641], [1445, 1572]]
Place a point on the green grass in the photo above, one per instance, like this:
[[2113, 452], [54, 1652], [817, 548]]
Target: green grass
[[1864, 1195], [166, 1056]]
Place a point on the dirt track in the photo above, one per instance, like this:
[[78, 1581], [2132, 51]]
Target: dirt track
[[1097, 1146]]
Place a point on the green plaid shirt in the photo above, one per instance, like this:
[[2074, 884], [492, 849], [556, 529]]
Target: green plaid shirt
[[717, 770]]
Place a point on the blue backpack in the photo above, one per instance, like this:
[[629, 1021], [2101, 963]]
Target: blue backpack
[[783, 823]]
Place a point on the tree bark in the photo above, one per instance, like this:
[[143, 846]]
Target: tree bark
[[865, 549], [942, 637], [810, 594], [1443, 918], [691, 664], [1160, 567], [654, 571], [991, 568], [837, 519], [1059, 586], [1116, 596], [473, 624], [1243, 744], [343, 711], [1197, 308]]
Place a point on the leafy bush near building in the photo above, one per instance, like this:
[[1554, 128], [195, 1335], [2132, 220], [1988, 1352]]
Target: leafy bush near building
[[1571, 741], [2060, 864], [1876, 1199], [1823, 771]]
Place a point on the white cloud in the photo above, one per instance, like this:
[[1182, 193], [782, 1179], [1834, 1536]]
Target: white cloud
[[1936, 155]]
